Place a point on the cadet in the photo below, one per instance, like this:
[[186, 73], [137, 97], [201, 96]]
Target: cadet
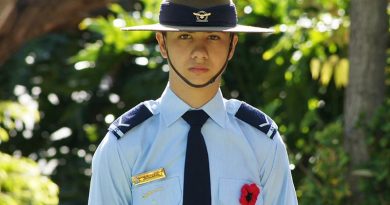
[[192, 146]]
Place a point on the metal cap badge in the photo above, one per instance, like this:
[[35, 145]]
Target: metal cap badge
[[202, 16]]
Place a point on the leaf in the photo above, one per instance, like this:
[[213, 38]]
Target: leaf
[[326, 73], [315, 68], [116, 8], [91, 131], [341, 73], [3, 135]]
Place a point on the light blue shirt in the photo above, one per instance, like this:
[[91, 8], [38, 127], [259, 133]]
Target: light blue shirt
[[238, 154]]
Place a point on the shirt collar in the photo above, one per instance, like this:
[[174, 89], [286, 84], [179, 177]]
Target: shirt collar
[[172, 107], [215, 108]]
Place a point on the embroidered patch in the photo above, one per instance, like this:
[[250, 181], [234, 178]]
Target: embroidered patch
[[129, 120], [257, 119]]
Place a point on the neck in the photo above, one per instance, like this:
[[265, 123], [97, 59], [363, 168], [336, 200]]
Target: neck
[[194, 97]]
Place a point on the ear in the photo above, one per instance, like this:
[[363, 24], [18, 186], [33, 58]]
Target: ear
[[161, 43], [234, 43]]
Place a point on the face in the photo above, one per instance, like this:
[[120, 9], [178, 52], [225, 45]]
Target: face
[[198, 56]]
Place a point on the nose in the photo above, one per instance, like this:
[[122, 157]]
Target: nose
[[200, 53]]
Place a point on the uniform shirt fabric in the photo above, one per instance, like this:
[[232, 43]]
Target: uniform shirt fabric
[[238, 154]]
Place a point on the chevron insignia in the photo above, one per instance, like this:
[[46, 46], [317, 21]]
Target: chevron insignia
[[129, 120], [257, 119]]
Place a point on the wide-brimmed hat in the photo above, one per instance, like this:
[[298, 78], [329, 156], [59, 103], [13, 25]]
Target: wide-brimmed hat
[[198, 15]]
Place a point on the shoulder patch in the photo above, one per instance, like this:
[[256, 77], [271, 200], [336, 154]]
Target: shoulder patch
[[129, 120], [257, 119]]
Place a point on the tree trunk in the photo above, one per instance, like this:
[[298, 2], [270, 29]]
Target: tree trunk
[[22, 20], [366, 89]]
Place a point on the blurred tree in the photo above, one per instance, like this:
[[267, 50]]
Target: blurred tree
[[81, 81], [22, 20], [366, 89]]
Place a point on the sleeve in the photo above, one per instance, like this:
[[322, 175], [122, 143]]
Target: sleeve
[[109, 182], [278, 186]]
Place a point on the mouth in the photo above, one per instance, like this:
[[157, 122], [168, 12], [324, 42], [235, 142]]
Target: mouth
[[198, 70]]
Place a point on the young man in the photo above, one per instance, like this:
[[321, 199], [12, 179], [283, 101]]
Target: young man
[[192, 146]]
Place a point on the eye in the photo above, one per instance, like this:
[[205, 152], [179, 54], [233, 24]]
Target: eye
[[214, 37], [185, 36]]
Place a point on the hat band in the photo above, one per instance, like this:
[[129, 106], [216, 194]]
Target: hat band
[[172, 14]]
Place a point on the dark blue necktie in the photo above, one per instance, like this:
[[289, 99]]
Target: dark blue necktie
[[197, 189]]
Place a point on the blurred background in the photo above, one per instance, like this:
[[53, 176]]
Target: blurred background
[[67, 71]]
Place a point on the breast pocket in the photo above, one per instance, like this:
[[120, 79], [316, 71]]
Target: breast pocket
[[164, 192], [230, 191]]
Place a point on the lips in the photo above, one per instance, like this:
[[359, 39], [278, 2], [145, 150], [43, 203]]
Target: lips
[[199, 70]]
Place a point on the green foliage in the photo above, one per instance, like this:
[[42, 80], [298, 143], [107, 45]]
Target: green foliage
[[325, 181], [109, 28], [14, 115], [377, 170], [22, 184], [306, 31], [81, 82]]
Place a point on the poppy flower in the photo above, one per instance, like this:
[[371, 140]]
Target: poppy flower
[[249, 194]]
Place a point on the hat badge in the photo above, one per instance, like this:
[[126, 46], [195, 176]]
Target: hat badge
[[202, 16]]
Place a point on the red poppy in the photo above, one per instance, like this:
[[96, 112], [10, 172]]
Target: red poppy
[[249, 194]]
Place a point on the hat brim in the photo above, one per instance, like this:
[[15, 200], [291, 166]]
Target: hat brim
[[235, 29]]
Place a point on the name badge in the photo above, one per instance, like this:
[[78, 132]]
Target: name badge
[[148, 176]]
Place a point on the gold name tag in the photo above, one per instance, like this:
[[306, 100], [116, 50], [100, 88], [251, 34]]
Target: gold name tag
[[148, 176]]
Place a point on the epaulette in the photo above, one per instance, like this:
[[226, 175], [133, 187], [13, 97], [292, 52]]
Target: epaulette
[[129, 120], [257, 119]]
